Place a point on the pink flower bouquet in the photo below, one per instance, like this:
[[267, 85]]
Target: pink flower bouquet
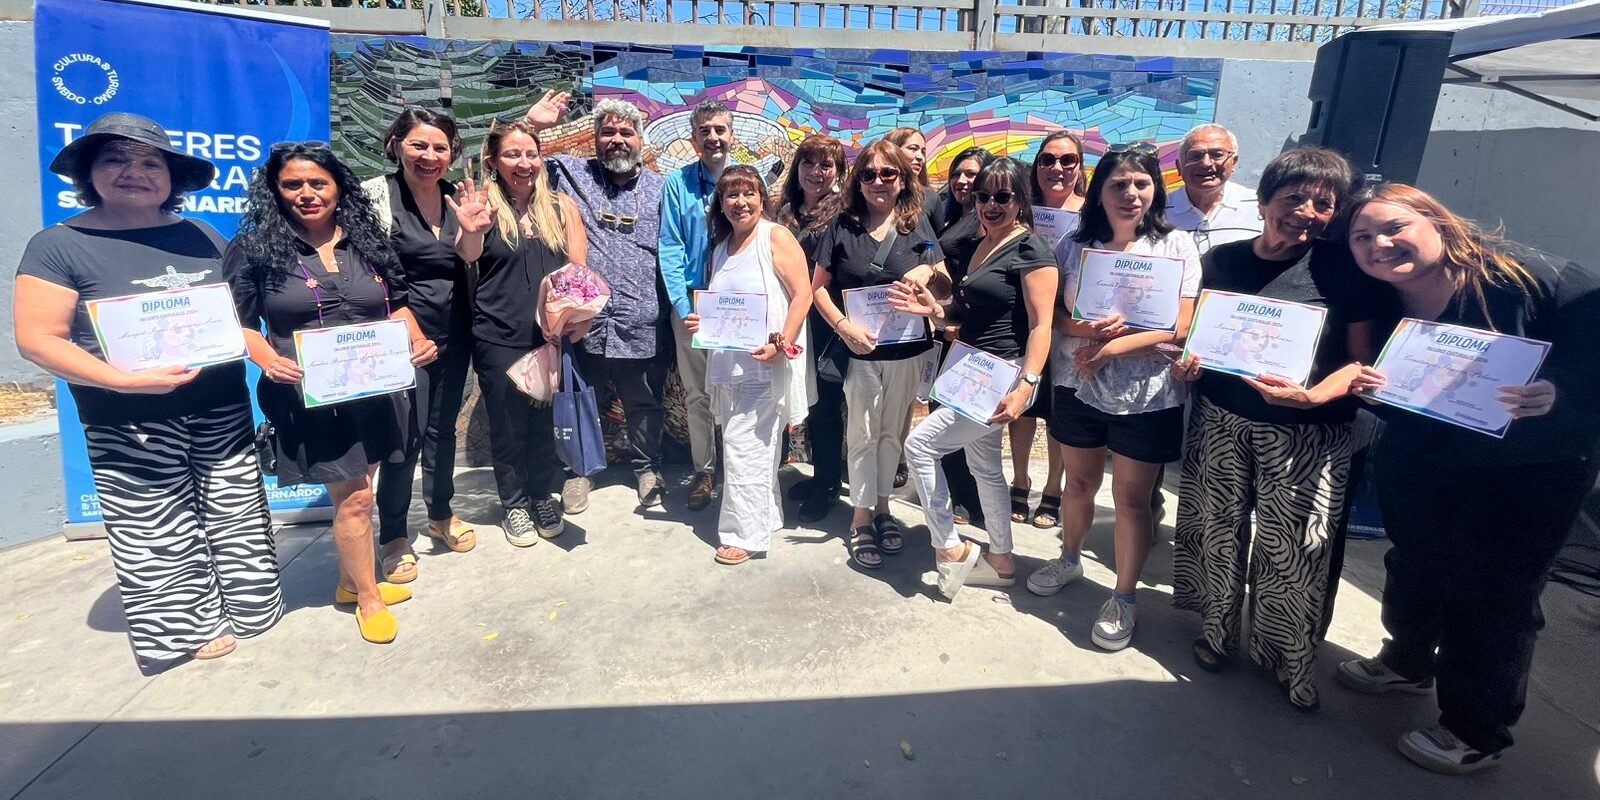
[[569, 299]]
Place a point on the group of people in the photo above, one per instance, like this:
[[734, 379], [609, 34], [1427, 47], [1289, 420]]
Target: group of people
[[991, 262]]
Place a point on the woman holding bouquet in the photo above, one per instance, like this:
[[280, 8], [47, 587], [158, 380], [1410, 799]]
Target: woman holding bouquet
[[518, 231], [756, 395]]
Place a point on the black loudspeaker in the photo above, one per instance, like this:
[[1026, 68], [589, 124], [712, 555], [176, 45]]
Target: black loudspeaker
[[1372, 98]]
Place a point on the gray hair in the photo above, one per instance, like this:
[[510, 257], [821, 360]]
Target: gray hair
[[1209, 127], [705, 111], [620, 110]]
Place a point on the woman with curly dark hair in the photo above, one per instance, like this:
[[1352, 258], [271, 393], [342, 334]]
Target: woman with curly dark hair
[[311, 254], [809, 201], [171, 448]]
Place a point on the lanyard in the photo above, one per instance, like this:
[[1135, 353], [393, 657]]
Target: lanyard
[[316, 293]]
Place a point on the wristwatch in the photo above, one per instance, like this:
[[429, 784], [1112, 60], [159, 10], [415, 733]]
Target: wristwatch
[[1031, 378]]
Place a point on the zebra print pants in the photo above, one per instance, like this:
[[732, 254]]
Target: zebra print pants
[[1294, 478], [191, 539]]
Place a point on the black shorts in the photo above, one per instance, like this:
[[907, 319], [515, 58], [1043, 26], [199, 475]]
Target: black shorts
[[1155, 437]]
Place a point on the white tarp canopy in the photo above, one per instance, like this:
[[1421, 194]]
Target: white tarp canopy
[[1544, 56]]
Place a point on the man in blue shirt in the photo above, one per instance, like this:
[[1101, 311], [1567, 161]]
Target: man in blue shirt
[[685, 249]]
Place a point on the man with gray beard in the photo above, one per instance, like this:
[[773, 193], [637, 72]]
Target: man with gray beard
[[630, 344]]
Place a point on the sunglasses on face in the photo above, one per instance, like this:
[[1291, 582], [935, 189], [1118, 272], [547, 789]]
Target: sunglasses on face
[[886, 174], [1141, 148], [1067, 161], [998, 198]]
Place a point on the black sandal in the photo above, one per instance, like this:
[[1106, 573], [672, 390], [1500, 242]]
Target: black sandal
[[891, 539], [1207, 659], [1049, 510], [863, 542], [1019, 504], [901, 476]]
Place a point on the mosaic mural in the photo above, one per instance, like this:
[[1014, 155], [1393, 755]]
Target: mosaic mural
[[1003, 101]]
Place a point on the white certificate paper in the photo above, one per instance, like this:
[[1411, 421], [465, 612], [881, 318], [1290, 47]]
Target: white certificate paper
[[731, 321], [972, 382], [1053, 223], [1145, 290], [1453, 373], [350, 362], [869, 308], [192, 327], [1242, 334]]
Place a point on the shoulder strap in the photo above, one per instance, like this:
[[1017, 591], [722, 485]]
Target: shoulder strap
[[881, 258]]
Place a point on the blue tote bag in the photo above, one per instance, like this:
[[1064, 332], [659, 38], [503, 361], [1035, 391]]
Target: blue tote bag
[[577, 419]]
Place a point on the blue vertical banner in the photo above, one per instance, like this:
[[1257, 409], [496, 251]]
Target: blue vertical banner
[[226, 83]]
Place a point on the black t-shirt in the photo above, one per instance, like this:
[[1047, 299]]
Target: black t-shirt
[[958, 241], [1325, 276], [846, 250], [508, 289], [933, 209], [1563, 314], [435, 277], [289, 303], [994, 317], [99, 264]]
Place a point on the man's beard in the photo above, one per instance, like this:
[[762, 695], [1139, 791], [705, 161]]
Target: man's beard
[[621, 164]]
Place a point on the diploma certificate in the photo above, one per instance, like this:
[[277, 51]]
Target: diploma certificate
[[191, 327], [1243, 334], [1454, 373], [350, 362], [869, 308], [731, 321], [1145, 290], [972, 383], [1053, 223]]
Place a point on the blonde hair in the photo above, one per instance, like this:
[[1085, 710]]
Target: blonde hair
[[543, 206], [1471, 257]]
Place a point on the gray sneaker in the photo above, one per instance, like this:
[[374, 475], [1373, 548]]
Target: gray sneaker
[[1372, 676], [1114, 629], [1436, 749], [1056, 573], [651, 490], [575, 495], [519, 528]]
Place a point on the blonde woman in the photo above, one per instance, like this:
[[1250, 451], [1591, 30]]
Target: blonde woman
[[1475, 521], [518, 231]]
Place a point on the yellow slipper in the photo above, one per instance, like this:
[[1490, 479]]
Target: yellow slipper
[[391, 595], [456, 535], [380, 628]]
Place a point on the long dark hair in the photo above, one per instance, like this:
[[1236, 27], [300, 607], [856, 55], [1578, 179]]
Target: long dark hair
[[1095, 226], [267, 234], [737, 176], [409, 119], [908, 203], [1013, 175], [952, 209], [816, 148]]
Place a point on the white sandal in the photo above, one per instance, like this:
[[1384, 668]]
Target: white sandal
[[952, 574]]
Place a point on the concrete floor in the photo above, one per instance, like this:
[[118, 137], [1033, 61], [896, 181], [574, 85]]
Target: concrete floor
[[618, 662]]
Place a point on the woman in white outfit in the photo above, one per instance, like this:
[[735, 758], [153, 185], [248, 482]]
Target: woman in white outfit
[[756, 395], [1003, 305]]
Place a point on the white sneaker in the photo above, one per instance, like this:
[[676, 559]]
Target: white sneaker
[[1436, 749], [1114, 629], [1372, 676], [1056, 573]]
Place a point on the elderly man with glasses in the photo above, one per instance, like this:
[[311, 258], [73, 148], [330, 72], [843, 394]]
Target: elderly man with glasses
[[1211, 206], [630, 344]]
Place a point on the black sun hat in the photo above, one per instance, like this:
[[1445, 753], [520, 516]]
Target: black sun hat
[[189, 173]]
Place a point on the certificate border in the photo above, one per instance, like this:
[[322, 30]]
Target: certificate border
[[92, 307], [1500, 433], [1079, 291], [844, 294], [933, 389], [310, 402], [1205, 294], [694, 341]]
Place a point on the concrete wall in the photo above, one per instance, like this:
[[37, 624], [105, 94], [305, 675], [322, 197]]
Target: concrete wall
[[30, 481], [18, 219]]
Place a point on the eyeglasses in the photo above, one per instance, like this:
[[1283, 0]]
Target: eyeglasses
[[998, 198], [1202, 156], [618, 222], [1138, 148], [1068, 161], [887, 174], [282, 147]]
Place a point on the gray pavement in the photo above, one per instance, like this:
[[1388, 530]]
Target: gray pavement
[[619, 661]]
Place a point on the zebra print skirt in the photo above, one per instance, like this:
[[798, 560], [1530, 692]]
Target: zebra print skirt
[[1294, 478], [191, 538]]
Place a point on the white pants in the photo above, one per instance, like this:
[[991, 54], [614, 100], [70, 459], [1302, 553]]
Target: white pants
[[751, 438], [878, 397], [692, 372], [944, 432]]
